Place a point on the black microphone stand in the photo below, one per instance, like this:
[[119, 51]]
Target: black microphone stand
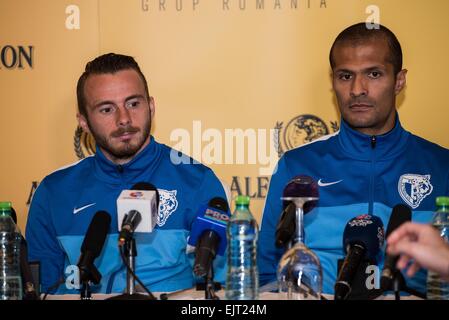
[[86, 294], [398, 284], [88, 275], [209, 288]]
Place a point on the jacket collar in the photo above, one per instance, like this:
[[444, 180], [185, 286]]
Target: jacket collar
[[135, 170], [360, 146]]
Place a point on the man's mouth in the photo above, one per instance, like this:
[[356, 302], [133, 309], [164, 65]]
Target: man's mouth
[[125, 135], [360, 107]]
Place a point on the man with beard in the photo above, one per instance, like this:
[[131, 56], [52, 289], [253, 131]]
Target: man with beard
[[370, 165], [114, 105]]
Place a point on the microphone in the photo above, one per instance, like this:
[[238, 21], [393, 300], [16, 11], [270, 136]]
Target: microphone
[[300, 192], [286, 226], [142, 198], [137, 209], [400, 214], [362, 239], [29, 290], [208, 234], [92, 245], [303, 191], [129, 224], [148, 187]]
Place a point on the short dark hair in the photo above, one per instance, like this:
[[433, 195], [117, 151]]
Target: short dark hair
[[359, 33], [106, 63]]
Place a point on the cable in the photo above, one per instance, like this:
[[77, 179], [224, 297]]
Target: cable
[[52, 287]]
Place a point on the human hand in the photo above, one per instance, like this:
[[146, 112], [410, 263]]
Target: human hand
[[421, 245]]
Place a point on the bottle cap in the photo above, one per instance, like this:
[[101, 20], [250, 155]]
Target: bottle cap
[[5, 205], [442, 201], [242, 200]]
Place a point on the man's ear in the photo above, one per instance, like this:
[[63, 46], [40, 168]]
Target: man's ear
[[152, 106], [82, 122], [400, 81]]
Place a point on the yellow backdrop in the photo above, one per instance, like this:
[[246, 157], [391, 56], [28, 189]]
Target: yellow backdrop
[[214, 64]]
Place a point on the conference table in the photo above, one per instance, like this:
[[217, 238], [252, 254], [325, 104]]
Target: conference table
[[193, 294]]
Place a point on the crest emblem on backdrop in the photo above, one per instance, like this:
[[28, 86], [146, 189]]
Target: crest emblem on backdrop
[[413, 188], [84, 143], [300, 130]]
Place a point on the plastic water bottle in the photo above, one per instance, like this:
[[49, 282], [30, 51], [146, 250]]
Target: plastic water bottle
[[437, 288], [242, 282], [10, 279]]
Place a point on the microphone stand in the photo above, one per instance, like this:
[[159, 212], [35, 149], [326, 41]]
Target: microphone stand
[[130, 251], [86, 294], [209, 288], [88, 275], [398, 284]]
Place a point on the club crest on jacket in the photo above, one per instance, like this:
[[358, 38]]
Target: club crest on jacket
[[413, 188], [167, 205]]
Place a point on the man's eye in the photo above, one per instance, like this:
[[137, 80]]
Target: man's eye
[[374, 74], [106, 110], [345, 76], [133, 104]]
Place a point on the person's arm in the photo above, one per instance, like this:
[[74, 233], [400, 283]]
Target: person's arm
[[43, 245], [421, 245]]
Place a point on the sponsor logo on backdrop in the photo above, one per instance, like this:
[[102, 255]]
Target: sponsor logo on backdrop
[[300, 130], [231, 5], [254, 187], [16, 57]]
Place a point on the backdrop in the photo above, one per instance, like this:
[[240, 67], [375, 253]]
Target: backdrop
[[224, 74]]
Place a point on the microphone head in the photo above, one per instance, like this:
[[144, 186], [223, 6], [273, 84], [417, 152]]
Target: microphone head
[[219, 203], [96, 234], [146, 186], [400, 214], [208, 234], [365, 230], [302, 186], [210, 218]]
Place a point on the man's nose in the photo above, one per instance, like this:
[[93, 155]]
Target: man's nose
[[358, 87], [123, 117]]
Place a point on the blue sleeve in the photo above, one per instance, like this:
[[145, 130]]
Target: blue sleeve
[[211, 187], [43, 245], [268, 254]]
